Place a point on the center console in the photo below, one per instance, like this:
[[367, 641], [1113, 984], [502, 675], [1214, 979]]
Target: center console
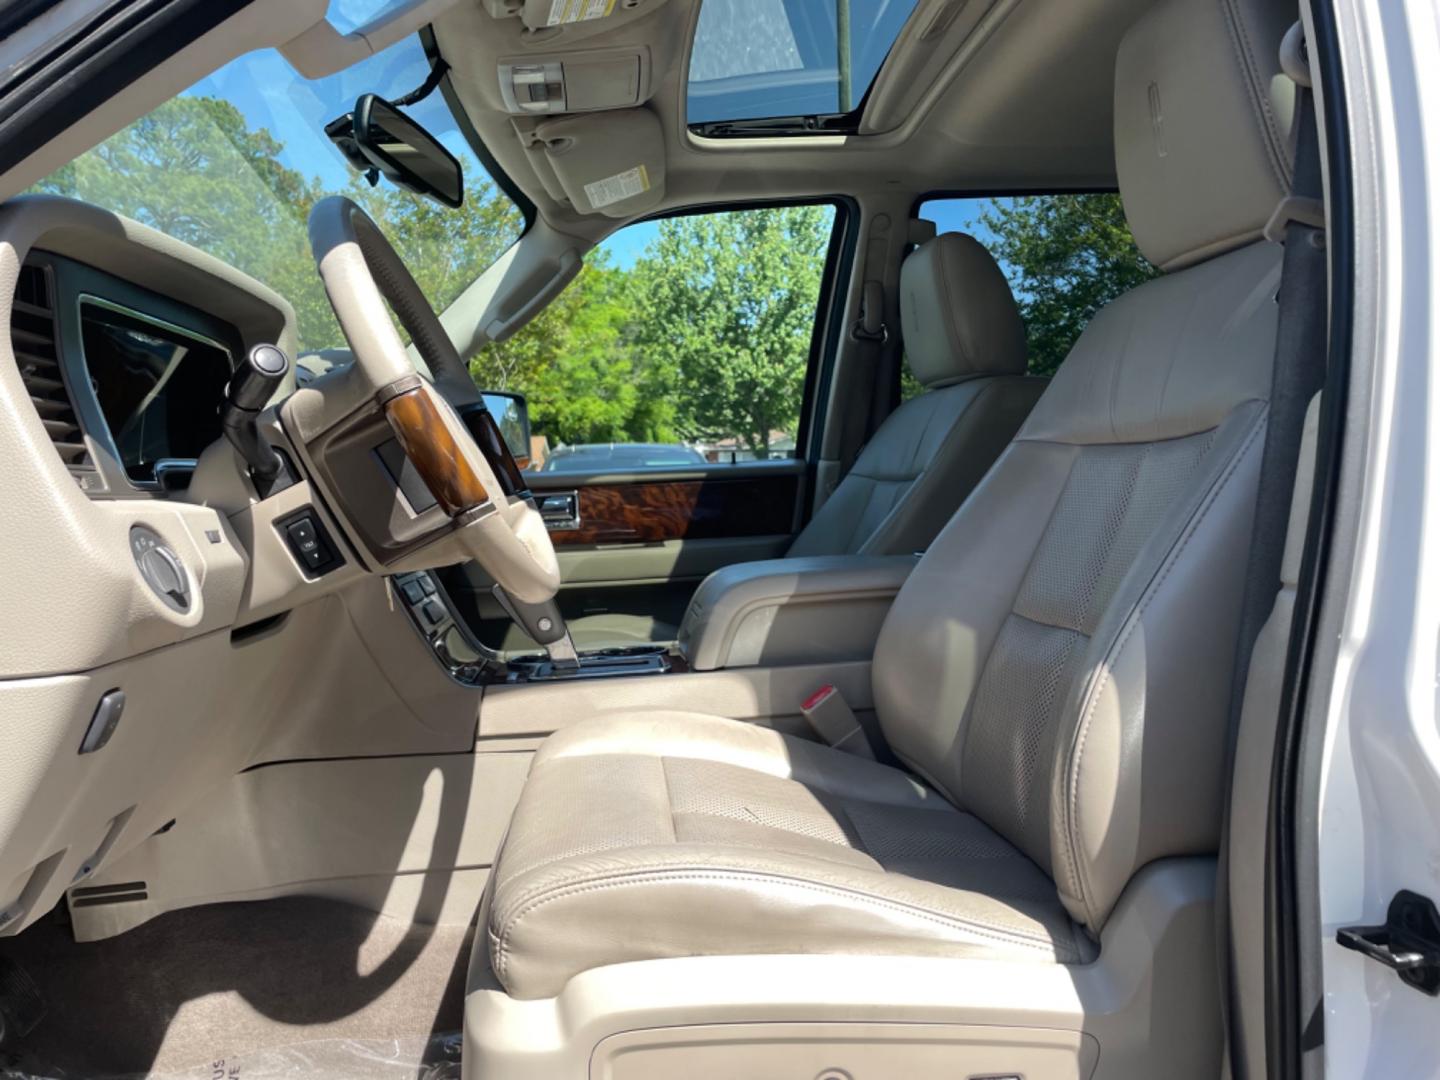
[[469, 661], [770, 613]]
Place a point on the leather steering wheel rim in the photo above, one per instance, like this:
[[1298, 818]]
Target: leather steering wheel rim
[[365, 279]]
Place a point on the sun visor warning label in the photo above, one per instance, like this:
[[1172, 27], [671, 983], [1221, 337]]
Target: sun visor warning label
[[569, 11], [612, 189]]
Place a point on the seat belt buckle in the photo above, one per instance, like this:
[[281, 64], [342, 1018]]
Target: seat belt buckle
[[831, 718]]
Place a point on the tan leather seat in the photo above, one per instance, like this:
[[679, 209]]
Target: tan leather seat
[[965, 343], [1055, 673]]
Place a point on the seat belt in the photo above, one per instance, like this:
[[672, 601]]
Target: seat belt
[[878, 344], [1301, 354], [874, 349]]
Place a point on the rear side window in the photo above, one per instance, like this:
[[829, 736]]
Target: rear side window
[[1066, 256], [684, 342]]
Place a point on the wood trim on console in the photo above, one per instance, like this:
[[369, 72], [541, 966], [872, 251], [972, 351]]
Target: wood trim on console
[[432, 449], [657, 510]]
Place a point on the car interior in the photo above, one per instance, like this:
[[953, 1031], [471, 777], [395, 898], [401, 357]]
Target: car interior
[[344, 737]]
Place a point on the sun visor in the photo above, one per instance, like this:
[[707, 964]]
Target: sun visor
[[610, 163]]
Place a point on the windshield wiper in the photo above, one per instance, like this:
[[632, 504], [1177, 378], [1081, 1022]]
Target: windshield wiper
[[814, 124]]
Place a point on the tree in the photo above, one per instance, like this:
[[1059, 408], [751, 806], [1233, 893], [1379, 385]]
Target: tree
[[444, 249], [1068, 256], [573, 364], [724, 312], [194, 170]]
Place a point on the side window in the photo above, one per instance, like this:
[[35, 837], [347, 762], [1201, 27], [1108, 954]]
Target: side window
[[683, 342], [1066, 256]]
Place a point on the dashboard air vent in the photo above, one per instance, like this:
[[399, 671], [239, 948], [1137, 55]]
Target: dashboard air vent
[[32, 334]]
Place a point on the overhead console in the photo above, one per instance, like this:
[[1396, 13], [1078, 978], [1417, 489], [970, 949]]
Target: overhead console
[[550, 20], [585, 81]]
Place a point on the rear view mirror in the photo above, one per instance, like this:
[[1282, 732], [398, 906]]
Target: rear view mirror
[[405, 152], [512, 417]]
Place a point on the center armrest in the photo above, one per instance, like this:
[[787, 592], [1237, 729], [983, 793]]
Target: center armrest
[[791, 611]]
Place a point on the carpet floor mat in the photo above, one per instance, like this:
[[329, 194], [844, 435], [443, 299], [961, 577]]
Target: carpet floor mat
[[245, 991]]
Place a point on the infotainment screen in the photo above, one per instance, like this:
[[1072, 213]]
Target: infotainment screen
[[159, 386]]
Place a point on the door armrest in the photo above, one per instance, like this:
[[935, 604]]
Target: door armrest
[[791, 611]]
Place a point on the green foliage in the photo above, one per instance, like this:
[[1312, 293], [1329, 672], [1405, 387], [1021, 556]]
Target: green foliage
[[444, 249], [583, 382], [706, 337], [193, 170], [1068, 256], [725, 309]]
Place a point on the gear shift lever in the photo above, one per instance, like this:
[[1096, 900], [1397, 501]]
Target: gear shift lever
[[544, 623], [250, 388]]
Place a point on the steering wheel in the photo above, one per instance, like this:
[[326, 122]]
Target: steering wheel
[[475, 481]]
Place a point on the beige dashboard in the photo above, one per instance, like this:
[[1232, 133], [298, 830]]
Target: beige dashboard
[[227, 679]]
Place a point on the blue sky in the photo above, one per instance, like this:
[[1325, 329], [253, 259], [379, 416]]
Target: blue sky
[[959, 215], [629, 243]]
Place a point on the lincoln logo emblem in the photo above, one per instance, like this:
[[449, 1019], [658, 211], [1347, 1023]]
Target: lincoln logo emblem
[[1157, 120]]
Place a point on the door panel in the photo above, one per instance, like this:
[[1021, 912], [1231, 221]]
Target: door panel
[[644, 541], [658, 509]]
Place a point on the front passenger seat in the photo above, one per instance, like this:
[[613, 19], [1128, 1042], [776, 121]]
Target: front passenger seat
[[965, 344]]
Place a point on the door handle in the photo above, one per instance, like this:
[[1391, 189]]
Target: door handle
[[560, 510]]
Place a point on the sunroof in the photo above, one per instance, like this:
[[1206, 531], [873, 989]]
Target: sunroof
[[760, 60]]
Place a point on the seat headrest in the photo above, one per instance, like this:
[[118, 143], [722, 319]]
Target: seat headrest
[[1203, 125], [958, 314]]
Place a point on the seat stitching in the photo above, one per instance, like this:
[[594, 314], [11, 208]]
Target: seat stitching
[[1072, 825], [1122, 358], [947, 311], [1259, 101], [1134, 620], [669, 802], [1170, 368], [908, 495], [531, 904]]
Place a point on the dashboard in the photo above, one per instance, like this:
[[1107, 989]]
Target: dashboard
[[128, 380], [160, 632]]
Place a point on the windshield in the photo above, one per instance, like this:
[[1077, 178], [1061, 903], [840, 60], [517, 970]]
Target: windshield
[[757, 59], [234, 164]]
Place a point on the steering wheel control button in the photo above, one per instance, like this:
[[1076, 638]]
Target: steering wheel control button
[[161, 568], [309, 543], [104, 722]]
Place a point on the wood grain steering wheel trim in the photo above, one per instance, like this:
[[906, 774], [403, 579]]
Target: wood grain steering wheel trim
[[432, 449]]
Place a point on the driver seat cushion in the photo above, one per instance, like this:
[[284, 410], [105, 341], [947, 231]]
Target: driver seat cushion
[[670, 834]]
